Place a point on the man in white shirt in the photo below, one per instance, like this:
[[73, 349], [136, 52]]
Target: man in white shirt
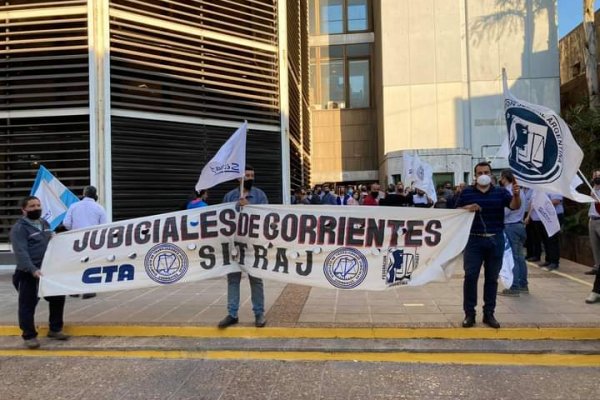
[[594, 229], [85, 213]]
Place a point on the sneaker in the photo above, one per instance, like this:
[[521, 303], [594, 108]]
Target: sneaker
[[88, 295], [58, 335], [592, 298], [551, 267], [592, 271], [509, 293], [31, 343], [260, 321], [533, 259], [524, 290], [228, 321]]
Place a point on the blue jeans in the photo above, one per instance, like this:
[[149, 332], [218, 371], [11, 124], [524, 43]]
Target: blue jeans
[[516, 237], [487, 251], [257, 294]]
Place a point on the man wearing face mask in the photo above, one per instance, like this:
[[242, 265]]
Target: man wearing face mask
[[372, 199], [251, 195], [29, 237], [594, 229], [328, 197], [486, 241]]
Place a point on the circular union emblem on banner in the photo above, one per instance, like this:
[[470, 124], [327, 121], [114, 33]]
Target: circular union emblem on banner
[[535, 146], [166, 263], [345, 268]]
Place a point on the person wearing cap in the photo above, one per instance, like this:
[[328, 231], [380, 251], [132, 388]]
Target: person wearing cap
[[85, 213]]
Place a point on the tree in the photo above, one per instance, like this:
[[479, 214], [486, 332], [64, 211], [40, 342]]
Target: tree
[[590, 56]]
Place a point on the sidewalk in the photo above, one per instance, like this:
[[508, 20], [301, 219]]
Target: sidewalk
[[556, 299]]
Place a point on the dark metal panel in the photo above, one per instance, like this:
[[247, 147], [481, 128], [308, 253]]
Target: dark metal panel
[[156, 164], [61, 144]]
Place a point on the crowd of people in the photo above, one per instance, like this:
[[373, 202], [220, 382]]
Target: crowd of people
[[500, 210]]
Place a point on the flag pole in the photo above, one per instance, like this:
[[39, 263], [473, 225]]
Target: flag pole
[[593, 193]]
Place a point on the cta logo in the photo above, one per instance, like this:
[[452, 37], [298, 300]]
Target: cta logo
[[345, 268], [536, 146], [166, 263]]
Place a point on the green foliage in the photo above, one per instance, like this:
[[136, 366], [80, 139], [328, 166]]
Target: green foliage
[[585, 126]]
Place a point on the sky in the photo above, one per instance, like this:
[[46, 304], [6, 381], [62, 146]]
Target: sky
[[570, 14]]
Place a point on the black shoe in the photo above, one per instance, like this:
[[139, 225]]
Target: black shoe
[[551, 267], [228, 321], [490, 321], [544, 264], [533, 259], [58, 335], [73, 295], [592, 271], [88, 295], [469, 321], [260, 321]]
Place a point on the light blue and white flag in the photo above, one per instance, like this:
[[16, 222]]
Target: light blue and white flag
[[54, 196], [229, 162], [542, 152], [541, 203]]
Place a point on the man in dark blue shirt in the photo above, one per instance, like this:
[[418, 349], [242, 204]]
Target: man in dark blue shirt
[[486, 241]]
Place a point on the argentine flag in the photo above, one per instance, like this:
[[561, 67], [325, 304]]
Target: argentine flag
[[53, 195]]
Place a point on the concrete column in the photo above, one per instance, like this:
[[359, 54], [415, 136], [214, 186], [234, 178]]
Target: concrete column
[[99, 92], [284, 105]]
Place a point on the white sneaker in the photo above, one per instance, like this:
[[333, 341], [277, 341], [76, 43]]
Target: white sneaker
[[592, 298]]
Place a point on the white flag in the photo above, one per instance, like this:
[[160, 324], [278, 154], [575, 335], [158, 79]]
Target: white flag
[[229, 162], [53, 195], [508, 263], [423, 177], [407, 169], [543, 154], [545, 210]]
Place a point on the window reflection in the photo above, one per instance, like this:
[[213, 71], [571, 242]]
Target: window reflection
[[357, 15], [331, 16], [358, 79]]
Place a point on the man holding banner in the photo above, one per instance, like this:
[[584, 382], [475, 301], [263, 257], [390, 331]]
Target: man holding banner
[[250, 195], [29, 238], [486, 241]]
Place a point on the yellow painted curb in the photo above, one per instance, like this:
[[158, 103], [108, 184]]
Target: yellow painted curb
[[323, 333], [562, 360]]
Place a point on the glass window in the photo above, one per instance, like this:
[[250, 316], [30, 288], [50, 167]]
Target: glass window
[[358, 78], [332, 84], [331, 15], [312, 23], [358, 50], [357, 15]]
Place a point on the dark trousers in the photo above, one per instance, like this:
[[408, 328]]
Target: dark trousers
[[535, 237], [487, 251], [552, 243], [596, 288], [27, 286]]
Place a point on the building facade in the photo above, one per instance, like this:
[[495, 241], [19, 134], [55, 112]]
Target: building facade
[[390, 76], [135, 96]]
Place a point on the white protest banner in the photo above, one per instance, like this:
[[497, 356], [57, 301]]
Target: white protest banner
[[541, 203], [542, 152], [370, 249], [182, 246], [229, 162], [54, 196], [323, 246]]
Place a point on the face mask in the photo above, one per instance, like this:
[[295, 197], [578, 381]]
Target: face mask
[[374, 194], [596, 181], [248, 184], [35, 214], [484, 180]]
